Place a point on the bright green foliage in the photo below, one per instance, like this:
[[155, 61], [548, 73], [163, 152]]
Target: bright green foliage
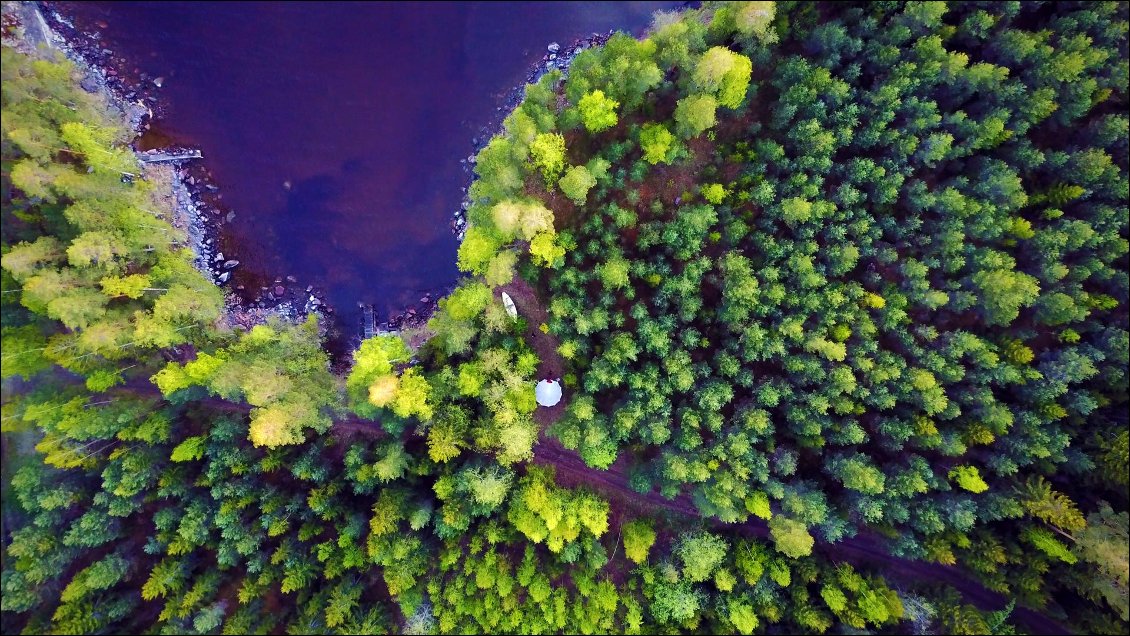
[[714, 193], [1043, 502], [657, 142], [467, 301], [758, 505], [701, 553], [524, 219], [639, 536], [858, 474], [597, 111], [479, 246], [132, 286], [796, 210], [100, 575], [694, 115], [1046, 542], [548, 153], [613, 273], [544, 513], [968, 478], [376, 358], [624, 69], [754, 18], [190, 449], [576, 184], [94, 144], [23, 348], [278, 370], [723, 73], [790, 536], [676, 602], [412, 396], [545, 250], [500, 269], [1004, 292]]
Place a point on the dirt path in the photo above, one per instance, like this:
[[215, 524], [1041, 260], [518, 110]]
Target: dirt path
[[868, 549], [344, 425], [550, 363]]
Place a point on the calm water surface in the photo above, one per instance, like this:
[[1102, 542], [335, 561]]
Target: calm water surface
[[335, 130]]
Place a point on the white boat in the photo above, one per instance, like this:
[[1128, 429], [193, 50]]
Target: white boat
[[508, 303]]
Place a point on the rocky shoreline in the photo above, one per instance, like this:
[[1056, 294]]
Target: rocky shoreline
[[196, 202], [193, 200]]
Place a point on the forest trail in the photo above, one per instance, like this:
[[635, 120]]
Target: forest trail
[[867, 549], [550, 363], [571, 471], [343, 425], [613, 483]]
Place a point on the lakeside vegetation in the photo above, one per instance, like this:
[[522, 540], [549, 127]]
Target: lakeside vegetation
[[838, 294]]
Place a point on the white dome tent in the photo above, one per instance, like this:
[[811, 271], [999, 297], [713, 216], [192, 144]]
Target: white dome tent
[[548, 392]]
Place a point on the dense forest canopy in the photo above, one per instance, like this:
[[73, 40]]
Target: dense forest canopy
[[837, 292]]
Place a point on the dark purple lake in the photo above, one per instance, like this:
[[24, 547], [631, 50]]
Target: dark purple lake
[[335, 130]]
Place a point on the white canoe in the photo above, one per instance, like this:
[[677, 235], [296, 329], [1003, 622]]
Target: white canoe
[[508, 303]]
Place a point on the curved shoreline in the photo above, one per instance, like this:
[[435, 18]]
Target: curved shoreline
[[195, 202]]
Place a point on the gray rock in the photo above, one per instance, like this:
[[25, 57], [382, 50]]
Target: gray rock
[[89, 84], [291, 279], [219, 255], [230, 217], [159, 82], [232, 264], [223, 278], [553, 47], [280, 290]]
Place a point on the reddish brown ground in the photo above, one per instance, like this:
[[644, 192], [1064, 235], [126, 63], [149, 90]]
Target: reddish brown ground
[[550, 363], [867, 550]]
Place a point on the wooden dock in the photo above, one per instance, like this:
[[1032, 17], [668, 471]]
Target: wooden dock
[[368, 321], [169, 157]]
